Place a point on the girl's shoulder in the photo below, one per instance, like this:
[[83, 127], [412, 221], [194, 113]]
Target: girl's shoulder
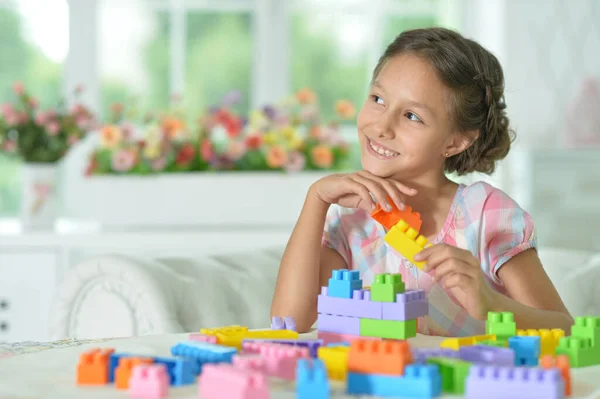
[[482, 195]]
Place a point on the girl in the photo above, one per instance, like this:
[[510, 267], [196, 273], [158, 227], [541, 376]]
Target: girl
[[436, 105]]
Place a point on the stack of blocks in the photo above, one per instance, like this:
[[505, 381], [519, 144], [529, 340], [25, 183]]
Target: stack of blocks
[[386, 310]]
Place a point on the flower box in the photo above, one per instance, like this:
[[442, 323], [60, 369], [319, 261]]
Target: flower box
[[219, 200]]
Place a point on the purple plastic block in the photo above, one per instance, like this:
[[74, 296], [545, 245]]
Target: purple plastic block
[[339, 324], [493, 382], [360, 305], [491, 355], [409, 305], [420, 355], [290, 323], [286, 323], [313, 345]]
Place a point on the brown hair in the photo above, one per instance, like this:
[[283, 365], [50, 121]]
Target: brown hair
[[477, 82]]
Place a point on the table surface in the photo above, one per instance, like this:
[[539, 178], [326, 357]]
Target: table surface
[[50, 373]]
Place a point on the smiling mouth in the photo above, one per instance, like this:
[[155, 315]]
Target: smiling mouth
[[380, 151]]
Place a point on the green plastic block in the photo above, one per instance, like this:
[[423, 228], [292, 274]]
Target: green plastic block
[[454, 372], [498, 344], [502, 325], [385, 287], [391, 329], [587, 327], [580, 351]]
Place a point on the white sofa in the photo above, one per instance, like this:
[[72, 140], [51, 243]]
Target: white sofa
[[117, 295]]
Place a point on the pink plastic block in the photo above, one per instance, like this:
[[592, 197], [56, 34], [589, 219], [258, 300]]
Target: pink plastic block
[[360, 305], [211, 339], [280, 360], [219, 381], [332, 338], [149, 381], [409, 305]]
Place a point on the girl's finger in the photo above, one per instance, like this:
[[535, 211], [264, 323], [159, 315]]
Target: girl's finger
[[366, 202], [374, 188], [394, 193], [459, 280], [401, 187], [452, 266]]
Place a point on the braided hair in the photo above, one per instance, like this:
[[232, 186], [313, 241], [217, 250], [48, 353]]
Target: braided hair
[[476, 80]]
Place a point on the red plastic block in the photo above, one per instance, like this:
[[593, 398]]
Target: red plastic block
[[219, 381], [93, 367], [388, 219], [149, 381]]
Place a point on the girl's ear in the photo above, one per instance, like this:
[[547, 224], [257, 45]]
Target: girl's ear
[[461, 141]]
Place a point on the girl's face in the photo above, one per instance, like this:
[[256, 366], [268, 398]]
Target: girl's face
[[404, 126]]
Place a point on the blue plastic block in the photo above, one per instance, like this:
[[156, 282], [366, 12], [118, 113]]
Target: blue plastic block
[[343, 283], [527, 350], [181, 371], [311, 379], [493, 382], [114, 362], [201, 353], [418, 381]]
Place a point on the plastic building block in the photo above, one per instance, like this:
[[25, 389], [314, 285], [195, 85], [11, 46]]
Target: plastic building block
[[219, 381], [421, 355], [549, 338], [409, 305], [234, 335], [580, 351], [527, 350], [339, 324], [496, 343], [379, 357], [406, 241], [113, 363], [487, 355], [386, 286], [279, 360], [418, 381], [360, 305], [454, 373], [313, 345], [343, 282], [561, 362], [286, 323], [389, 219], [203, 352], [336, 361], [331, 338], [311, 380], [125, 368], [338, 344], [391, 329], [181, 371], [93, 367], [456, 343], [496, 382], [502, 325], [587, 327], [212, 339], [149, 381]]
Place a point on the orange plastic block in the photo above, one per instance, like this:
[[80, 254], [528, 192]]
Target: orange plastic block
[[548, 338], [456, 343], [389, 219], [562, 364], [125, 367], [93, 367], [379, 357], [406, 241]]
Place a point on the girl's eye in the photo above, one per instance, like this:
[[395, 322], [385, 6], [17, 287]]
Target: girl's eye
[[377, 99], [413, 117]]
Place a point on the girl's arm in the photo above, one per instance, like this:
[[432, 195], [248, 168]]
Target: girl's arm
[[533, 300], [305, 266]]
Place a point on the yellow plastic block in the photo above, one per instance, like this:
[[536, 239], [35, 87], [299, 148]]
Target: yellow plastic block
[[548, 339], [336, 361], [406, 241], [234, 335], [456, 343]]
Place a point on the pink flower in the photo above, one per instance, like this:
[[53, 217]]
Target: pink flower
[[159, 164], [18, 88], [42, 118], [12, 119], [236, 150], [7, 108], [123, 160], [53, 128], [83, 122], [207, 151], [33, 102], [296, 162], [127, 130]]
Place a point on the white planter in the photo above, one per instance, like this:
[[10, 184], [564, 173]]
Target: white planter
[[234, 200], [39, 195]]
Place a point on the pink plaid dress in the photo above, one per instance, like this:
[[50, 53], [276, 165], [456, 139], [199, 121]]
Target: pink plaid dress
[[482, 219]]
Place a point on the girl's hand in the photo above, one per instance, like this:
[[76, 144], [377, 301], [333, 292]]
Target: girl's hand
[[460, 271], [354, 190]]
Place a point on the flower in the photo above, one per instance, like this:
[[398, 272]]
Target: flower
[[158, 164], [276, 157], [173, 128], [270, 138], [233, 127], [185, 155], [18, 88], [306, 96], [322, 156], [110, 136], [207, 151], [345, 109], [253, 142], [53, 128], [296, 162], [152, 149], [236, 150], [123, 160], [33, 102]]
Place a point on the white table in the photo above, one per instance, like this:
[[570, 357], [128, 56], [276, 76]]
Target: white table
[[51, 373]]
